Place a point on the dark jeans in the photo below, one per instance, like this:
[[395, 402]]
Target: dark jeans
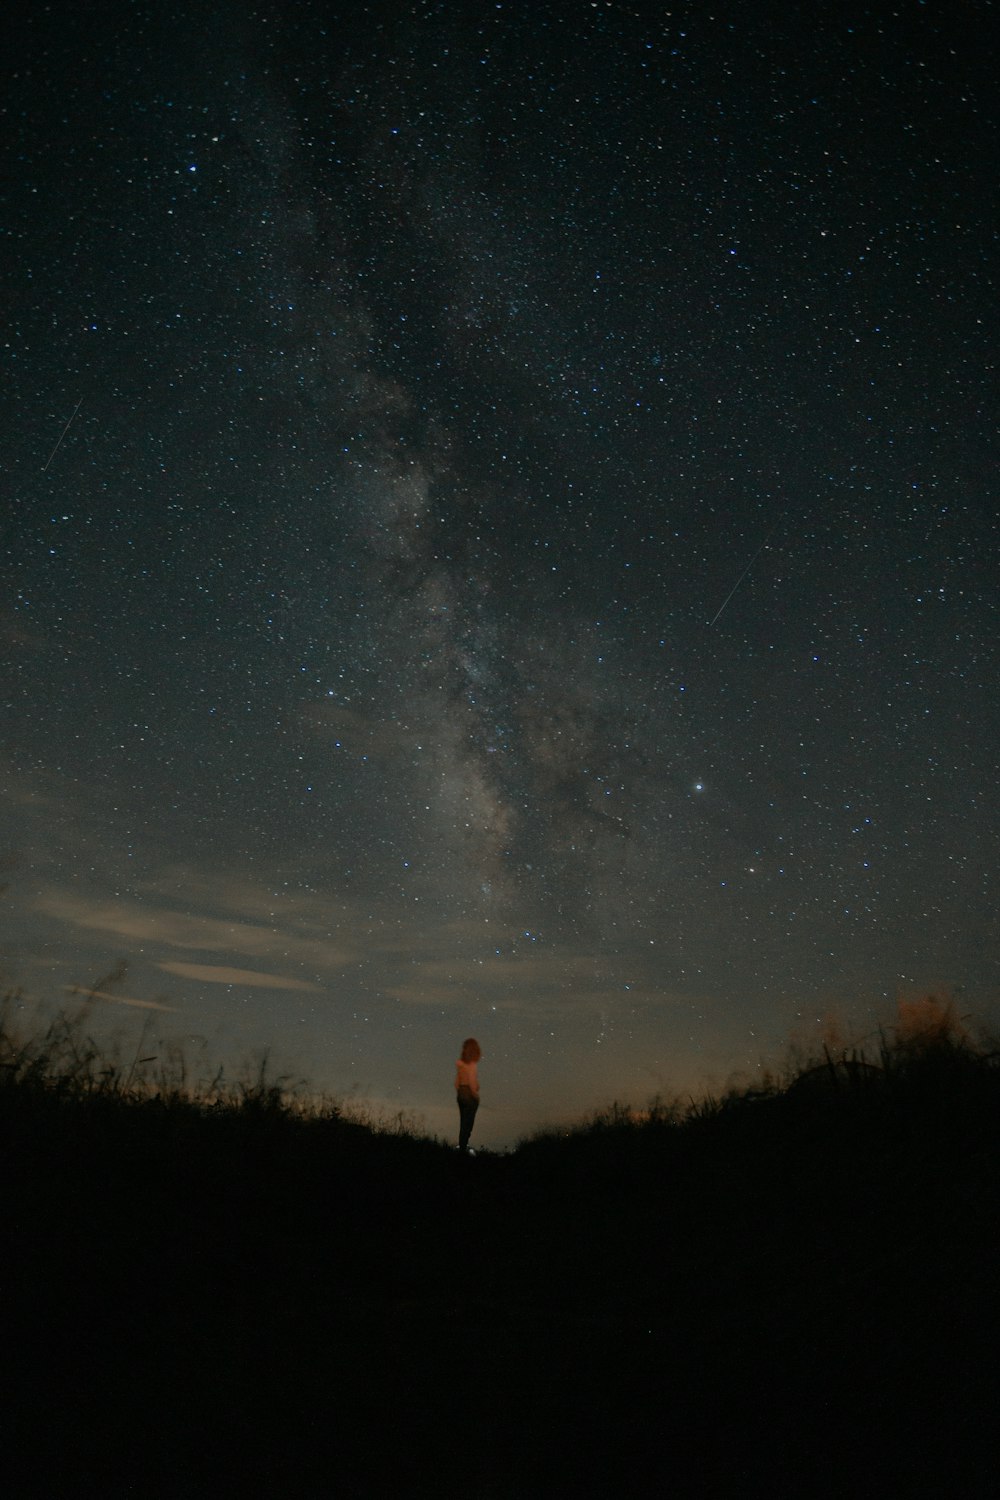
[[467, 1106]]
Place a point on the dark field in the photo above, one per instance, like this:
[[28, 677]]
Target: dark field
[[787, 1293]]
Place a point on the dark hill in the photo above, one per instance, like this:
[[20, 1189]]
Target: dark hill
[[792, 1293]]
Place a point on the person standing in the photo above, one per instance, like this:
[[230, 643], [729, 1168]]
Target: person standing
[[467, 1089]]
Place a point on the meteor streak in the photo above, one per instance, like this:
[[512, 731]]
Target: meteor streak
[[736, 585], [62, 435]]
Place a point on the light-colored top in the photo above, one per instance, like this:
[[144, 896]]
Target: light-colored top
[[467, 1076]]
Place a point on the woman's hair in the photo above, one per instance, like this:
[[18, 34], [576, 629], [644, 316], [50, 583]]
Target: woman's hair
[[471, 1050]]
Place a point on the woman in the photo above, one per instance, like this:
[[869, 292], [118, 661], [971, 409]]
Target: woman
[[467, 1089]]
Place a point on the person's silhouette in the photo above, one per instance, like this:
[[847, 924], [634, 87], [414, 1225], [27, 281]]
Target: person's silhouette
[[467, 1089]]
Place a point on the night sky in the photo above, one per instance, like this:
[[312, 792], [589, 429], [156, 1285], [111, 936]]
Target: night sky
[[499, 534]]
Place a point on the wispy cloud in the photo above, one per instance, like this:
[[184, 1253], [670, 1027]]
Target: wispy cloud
[[74, 989], [161, 926], [250, 978], [531, 982]]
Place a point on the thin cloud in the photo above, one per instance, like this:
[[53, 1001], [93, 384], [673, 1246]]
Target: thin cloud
[[173, 929], [430, 994], [249, 978], [74, 989], [534, 983]]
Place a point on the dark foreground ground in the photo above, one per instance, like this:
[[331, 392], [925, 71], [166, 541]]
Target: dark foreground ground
[[794, 1295]]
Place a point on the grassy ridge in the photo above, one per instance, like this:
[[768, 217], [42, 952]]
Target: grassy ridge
[[217, 1293]]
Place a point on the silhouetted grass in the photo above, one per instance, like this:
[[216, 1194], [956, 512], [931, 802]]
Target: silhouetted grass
[[218, 1287]]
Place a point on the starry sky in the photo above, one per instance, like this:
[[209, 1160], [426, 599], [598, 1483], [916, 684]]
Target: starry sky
[[499, 533]]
